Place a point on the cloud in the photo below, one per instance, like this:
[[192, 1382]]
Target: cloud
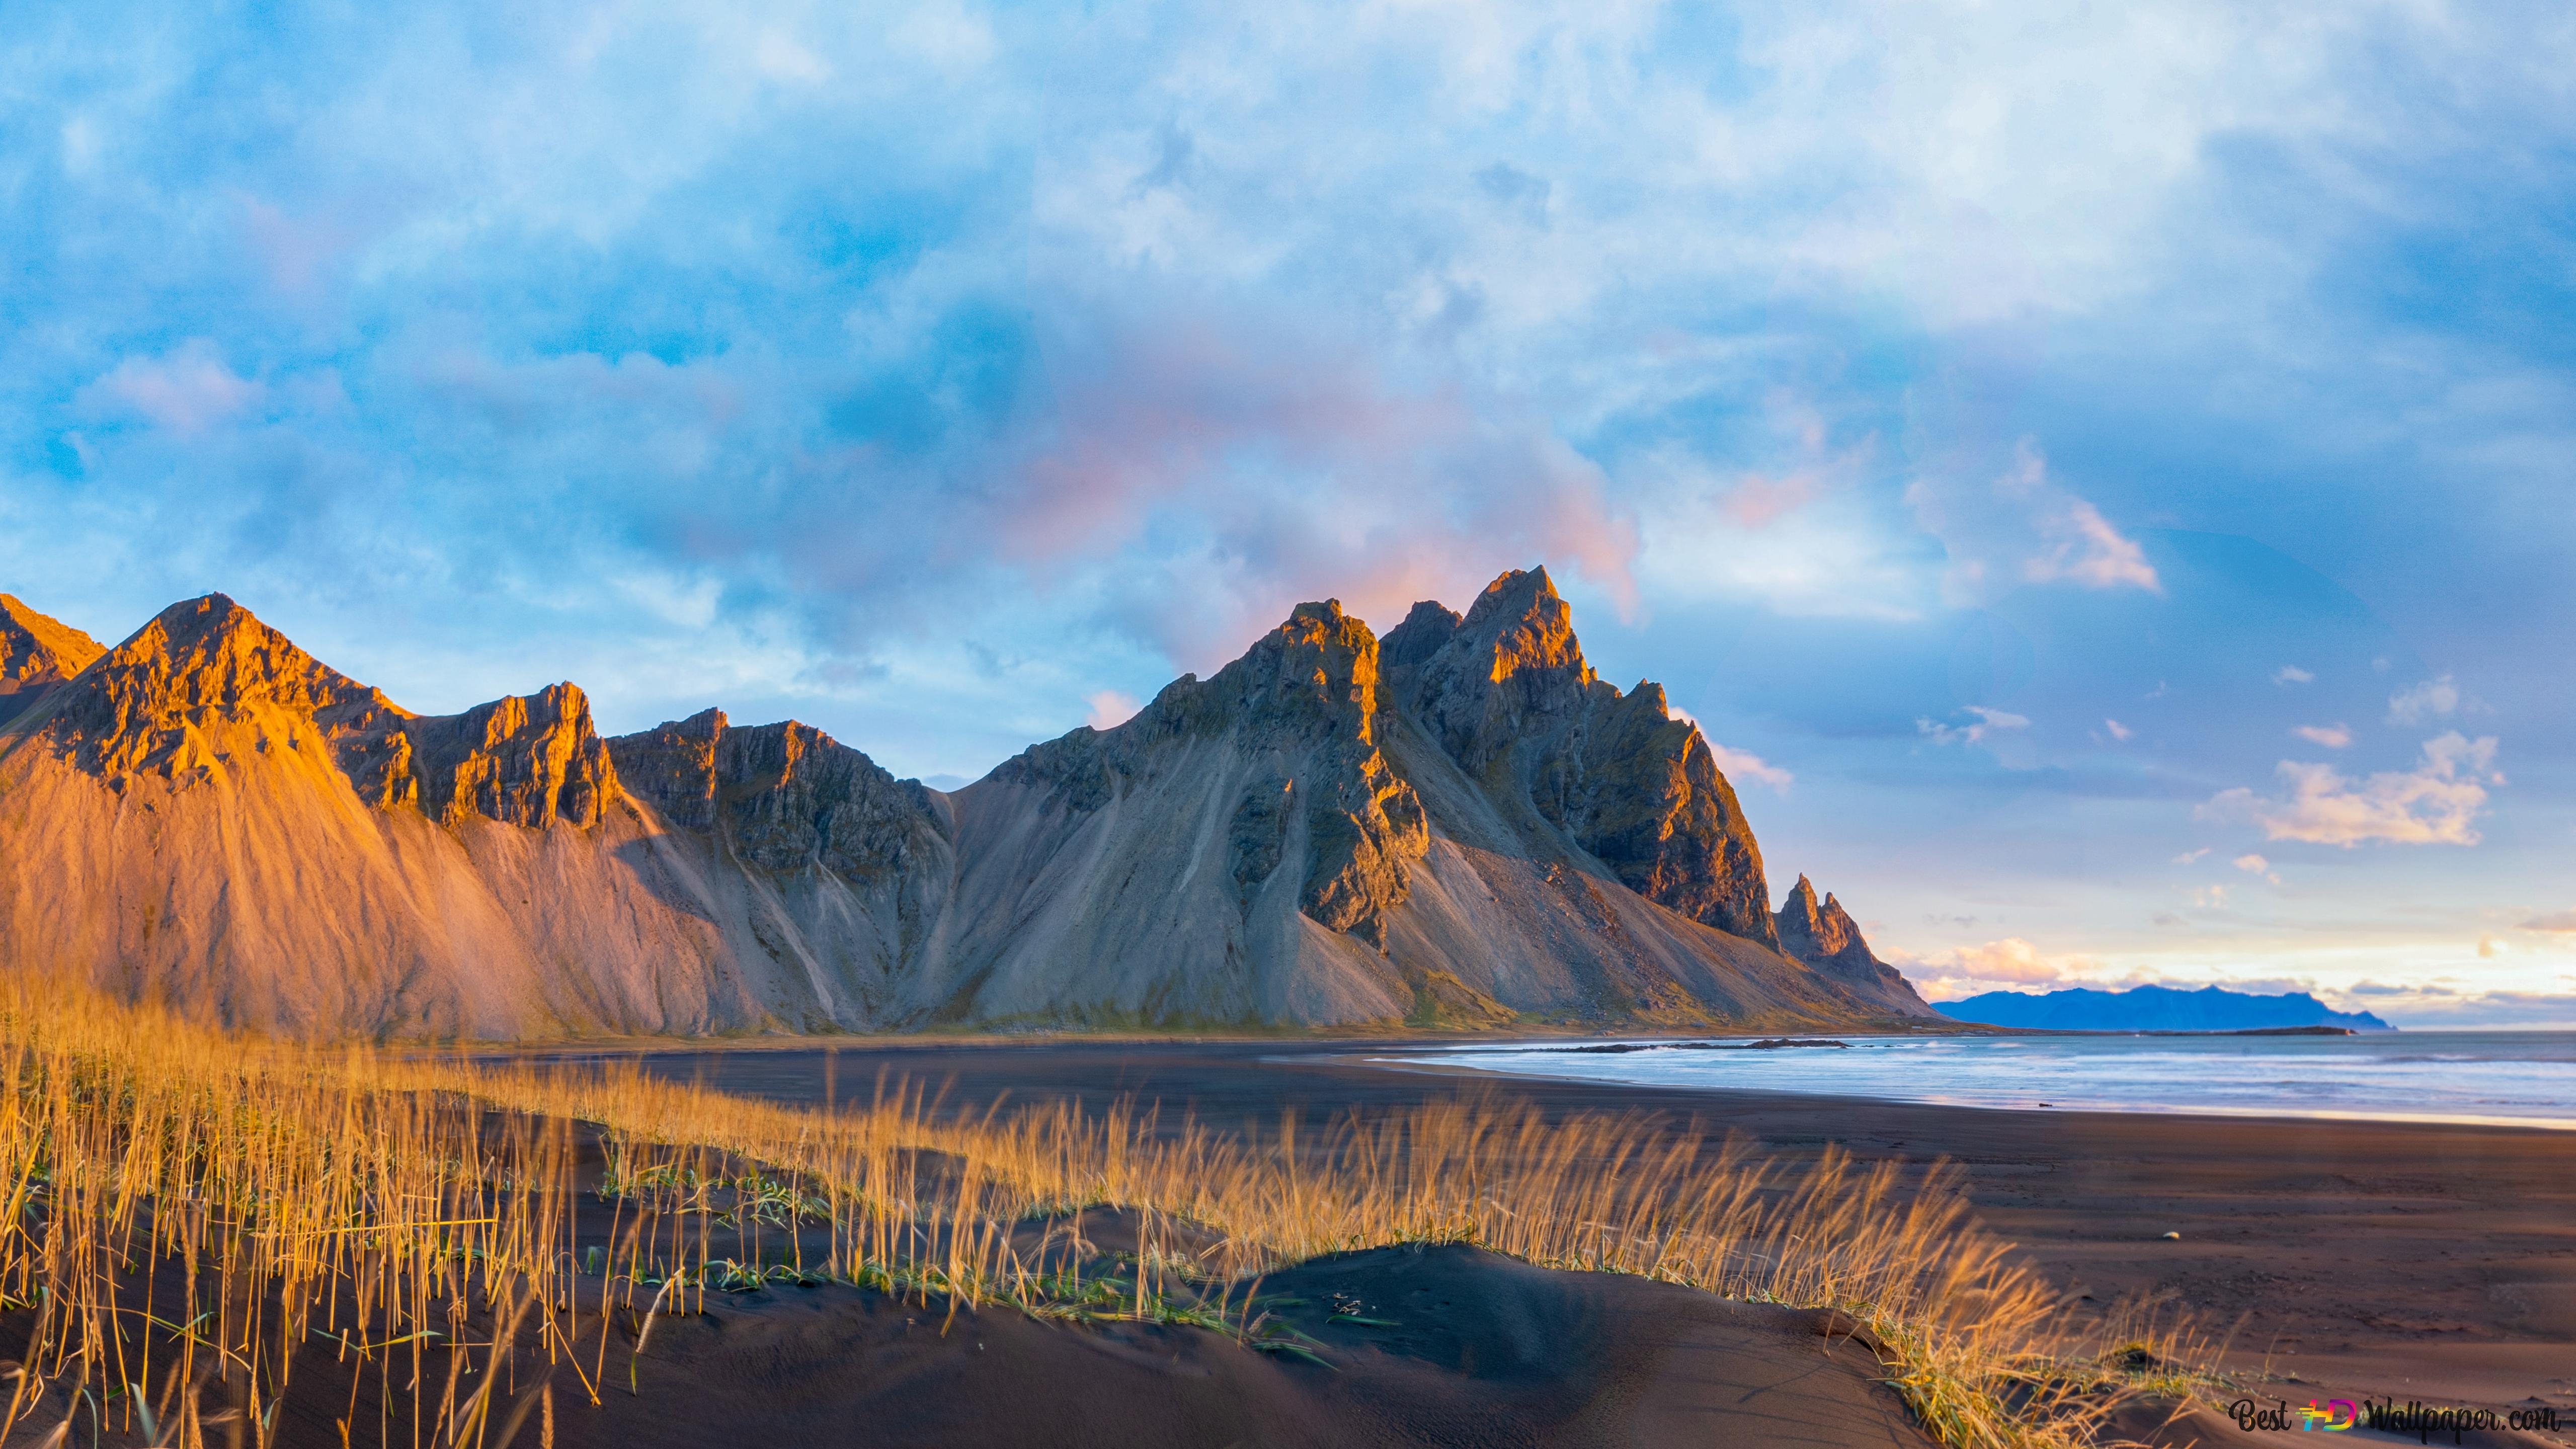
[[1824, 549], [1988, 722], [2292, 674], [2118, 730], [2085, 548], [1736, 764], [2251, 864], [1744, 765], [2555, 921], [187, 390], [2436, 803], [2333, 736], [1968, 970], [1110, 709], [2490, 946], [2429, 700], [2433, 1007], [2190, 856], [2024, 528], [1757, 502]]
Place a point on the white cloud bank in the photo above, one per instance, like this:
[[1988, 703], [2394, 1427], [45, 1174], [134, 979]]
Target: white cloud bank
[[2436, 803], [1964, 971]]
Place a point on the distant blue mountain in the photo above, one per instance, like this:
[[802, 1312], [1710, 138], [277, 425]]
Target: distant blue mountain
[[2153, 1008]]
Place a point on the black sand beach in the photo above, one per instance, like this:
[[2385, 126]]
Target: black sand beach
[[2429, 1262]]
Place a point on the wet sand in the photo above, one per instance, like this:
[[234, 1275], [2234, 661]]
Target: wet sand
[[2420, 1261]]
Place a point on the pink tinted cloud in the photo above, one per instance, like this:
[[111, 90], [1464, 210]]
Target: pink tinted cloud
[[186, 390], [296, 253], [1259, 474], [1110, 708], [1758, 502]]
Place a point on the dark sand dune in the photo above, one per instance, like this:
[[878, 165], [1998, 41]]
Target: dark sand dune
[[1487, 1351], [1460, 1348]]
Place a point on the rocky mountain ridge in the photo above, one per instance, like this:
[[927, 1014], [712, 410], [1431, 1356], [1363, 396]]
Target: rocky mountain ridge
[[1457, 825], [37, 654]]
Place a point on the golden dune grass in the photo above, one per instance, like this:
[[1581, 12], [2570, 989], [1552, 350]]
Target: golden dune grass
[[415, 1216]]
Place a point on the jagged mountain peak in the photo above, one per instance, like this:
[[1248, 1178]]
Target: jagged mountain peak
[[199, 664], [1520, 626], [1420, 636], [1823, 934], [1514, 592], [38, 654], [30, 641], [211, 652], [783, 796], [1297, 719], [1506, 692], [527, 759]]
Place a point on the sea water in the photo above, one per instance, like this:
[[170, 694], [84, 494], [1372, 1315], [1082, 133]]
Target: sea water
[[2518, 1078]]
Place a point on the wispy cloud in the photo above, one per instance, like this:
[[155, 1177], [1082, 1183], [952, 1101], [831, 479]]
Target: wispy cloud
[[2085, 548], [2292, 674], [1988, 722], [2023, 527], [2333, 736]]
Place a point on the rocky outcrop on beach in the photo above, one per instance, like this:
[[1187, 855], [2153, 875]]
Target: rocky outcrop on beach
[[1459, 826]]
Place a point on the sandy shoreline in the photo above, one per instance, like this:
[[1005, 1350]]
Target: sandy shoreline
[[2434, 1261]]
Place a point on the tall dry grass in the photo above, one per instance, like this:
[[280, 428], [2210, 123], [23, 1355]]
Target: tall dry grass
[[193, 1216]]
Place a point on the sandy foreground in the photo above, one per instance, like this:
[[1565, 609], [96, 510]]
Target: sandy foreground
[[2351, 1260]]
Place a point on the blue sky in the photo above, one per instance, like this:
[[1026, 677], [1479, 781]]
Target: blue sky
[[2105, 476]]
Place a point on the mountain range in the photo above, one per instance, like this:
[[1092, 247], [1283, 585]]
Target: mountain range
[[2155, 1008], [1458, 825]]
